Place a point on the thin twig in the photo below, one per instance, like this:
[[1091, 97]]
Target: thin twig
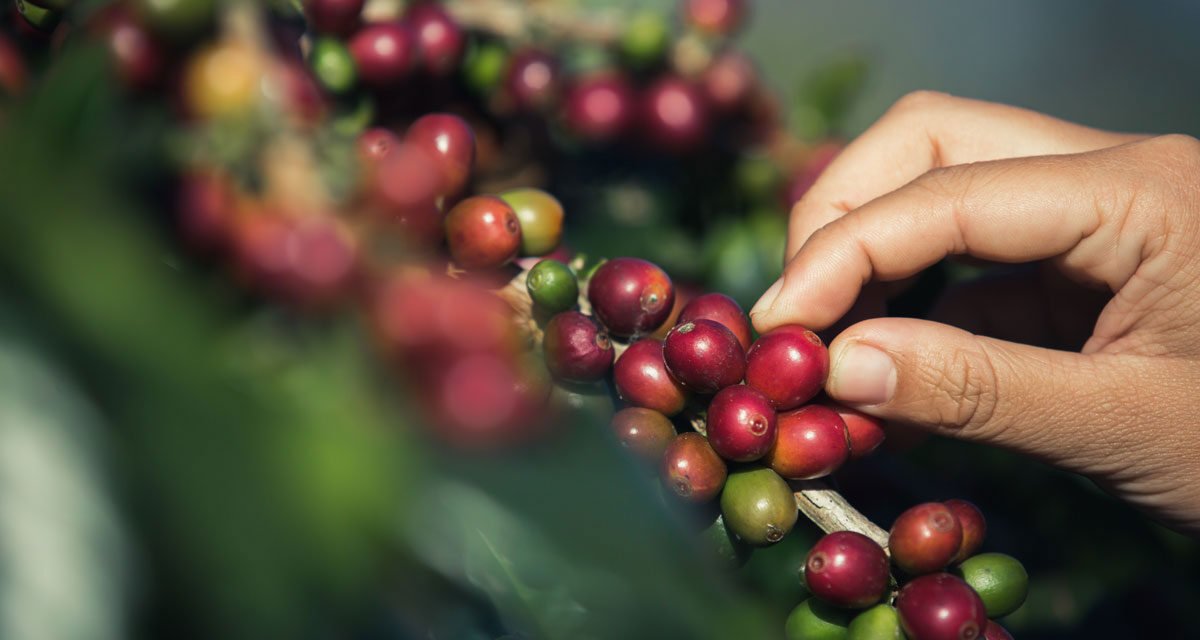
[[830, 511], [517, 20]]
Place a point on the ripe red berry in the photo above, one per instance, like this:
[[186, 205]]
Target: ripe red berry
[[13, 73], [674, 115], [740, 424], [440, 40], [374, 145], [405, 186], [810, 442], [691, 469], [940, 607], [483, 233], [974, 528], [716, 17], [641, 378], [847, 569], [865, 431], [719, 308], [994, 631], [631, 297], [925, 538], [600, 107], [482, 400], [788, 364], [576, 348], [339, 17], [645, 432], [207, 202], [308, 261], [704, 356], [450, 141], [384, 53], [425, 320], [533, 80], [139, 58], [729, 81]]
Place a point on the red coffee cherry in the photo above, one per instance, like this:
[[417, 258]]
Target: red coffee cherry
[[704, 356], [714, 17], [691, 469], [631, 297], [811, 442], [533, 80], [719, 308], [440, 40], [641, 378], [450, 141], [974, 528], [847, 569], [384, 53], [645, 432], [374, 145], [483, 233], [994, 631], [740, 424], [865, 431], [576, 348], [729, 81], [925, 538], [339, 17], [788, 364], [600, 107], [675, 115], [940, 607]]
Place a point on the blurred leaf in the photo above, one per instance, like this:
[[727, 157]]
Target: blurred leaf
[[823, 99]]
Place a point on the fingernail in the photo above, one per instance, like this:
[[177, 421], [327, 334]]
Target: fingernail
[[862, 374], [767, 300]]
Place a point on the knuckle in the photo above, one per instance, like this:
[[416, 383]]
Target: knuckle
[[920, 100], [1178, 148], [967, 392]]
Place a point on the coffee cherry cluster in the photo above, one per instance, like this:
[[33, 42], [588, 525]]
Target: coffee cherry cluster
[[946, 589]]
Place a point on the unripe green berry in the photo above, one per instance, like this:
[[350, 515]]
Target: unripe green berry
[[333, 65], [999, 579], [880, 622], [553, 286], [815, 620]]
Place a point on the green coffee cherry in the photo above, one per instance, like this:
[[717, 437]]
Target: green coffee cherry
[[553, 286], [177, 18], [759, 507], [880, 622], [815, 620], [333, 65], [726, 547], [40, 17], [484, 66], [1000, 580], [541, 217], [646, 38]]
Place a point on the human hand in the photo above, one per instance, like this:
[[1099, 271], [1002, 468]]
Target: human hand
[[940, 176]]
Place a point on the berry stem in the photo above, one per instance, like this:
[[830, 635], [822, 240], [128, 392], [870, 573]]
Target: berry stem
[[830, 511]]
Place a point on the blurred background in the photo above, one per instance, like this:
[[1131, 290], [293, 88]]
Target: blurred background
[[179, 458]]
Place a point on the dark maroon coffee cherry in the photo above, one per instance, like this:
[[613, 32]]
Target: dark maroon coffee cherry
[[940, 607], [631, 297], [483, 233], [740, 424], [384, 53], [847, 569], [600, 107], [482, 401], [309, 261], [532, 80], [338, 17], [789, 365], [440, 40], [994, 631], [729, 81], [13, 72], [714, 17], [645, 432], [404, 187], [720, 308], [576, 348], [641, 378], [691, 469], [865, 431], [675, 115], [207, 204], [810, 442], [704, 356], [139, 58], [450, 141], [974, 528], [925, 538]]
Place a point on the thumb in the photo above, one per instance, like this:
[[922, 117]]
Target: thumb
[[1036, 401]]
